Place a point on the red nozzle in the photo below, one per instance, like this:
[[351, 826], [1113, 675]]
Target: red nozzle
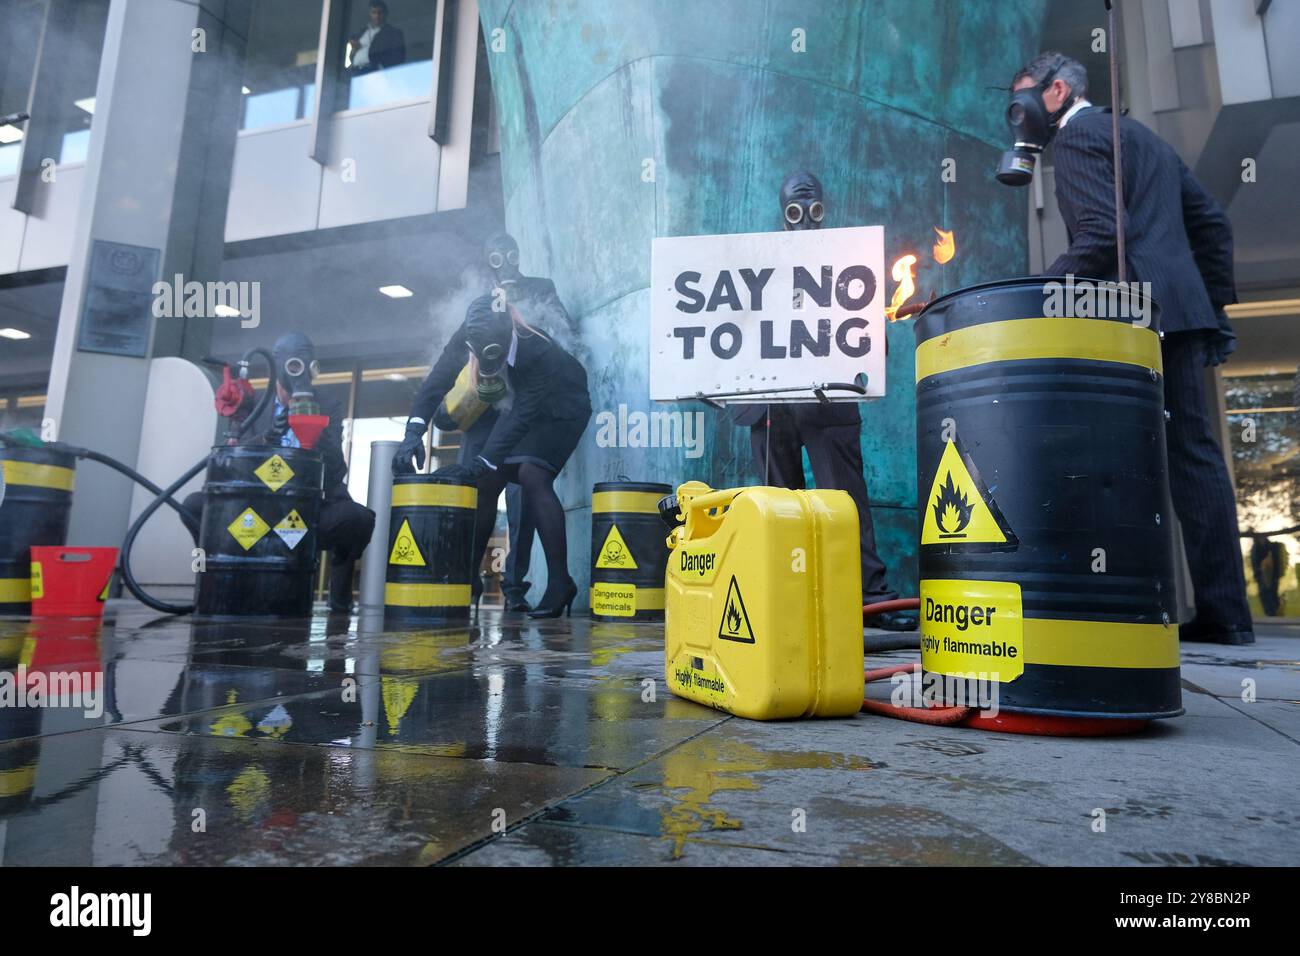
[[308, 428], [234, 396]]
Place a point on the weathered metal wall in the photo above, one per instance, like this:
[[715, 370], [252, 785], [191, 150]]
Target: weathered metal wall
[[715, 94]]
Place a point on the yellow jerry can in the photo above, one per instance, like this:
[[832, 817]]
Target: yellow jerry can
[[763, 610]]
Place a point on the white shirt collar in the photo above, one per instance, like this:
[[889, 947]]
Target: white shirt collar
[[1079, 104]]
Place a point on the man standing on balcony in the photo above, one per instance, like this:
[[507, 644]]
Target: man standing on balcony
[[381, 45]]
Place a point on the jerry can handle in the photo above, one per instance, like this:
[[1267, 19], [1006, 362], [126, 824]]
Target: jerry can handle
[[714, 499]]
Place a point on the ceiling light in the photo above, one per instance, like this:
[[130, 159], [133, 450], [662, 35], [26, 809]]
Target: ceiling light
[[225, 311], [396, 291], [16, 334], [88, 104], [245, 90], [10, 134], [395, 377]]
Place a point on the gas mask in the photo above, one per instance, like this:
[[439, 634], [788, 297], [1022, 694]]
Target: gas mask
[[502, 254], [802, 205], [1032, 128], [488, 334], [296, 367]]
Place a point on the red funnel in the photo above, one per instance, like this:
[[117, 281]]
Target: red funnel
[[308, 428]]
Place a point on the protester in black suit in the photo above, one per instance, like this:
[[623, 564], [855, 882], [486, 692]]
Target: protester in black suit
[[379, 46], [542, 408], [345, 526], [1179, 240], [831, 432]]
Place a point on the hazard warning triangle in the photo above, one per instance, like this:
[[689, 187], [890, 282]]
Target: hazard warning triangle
[[735, 619], [960, 510], [615, 553], [405, 550]]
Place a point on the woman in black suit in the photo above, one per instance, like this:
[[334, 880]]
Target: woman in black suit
[[539, 424]]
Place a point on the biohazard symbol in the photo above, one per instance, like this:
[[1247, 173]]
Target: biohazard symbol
[[274, 472], [615, 553], [960, 509], [405, 550], [735, 619]]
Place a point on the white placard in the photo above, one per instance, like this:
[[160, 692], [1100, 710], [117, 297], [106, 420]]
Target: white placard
[[768, 310]]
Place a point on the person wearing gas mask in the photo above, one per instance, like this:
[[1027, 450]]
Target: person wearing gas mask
[[1179, 240], [345, 526], [830, 432], [537, 301], [542, 406]]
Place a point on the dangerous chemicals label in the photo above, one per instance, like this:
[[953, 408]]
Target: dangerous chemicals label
[[735, 624], [613, 600], [615, 553], [248, 528], [274, 472], [972, 629], [405, 551], [960, 510], [38, 581], [291, 529]]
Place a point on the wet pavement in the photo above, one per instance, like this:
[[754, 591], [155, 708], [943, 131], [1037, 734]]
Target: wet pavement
[[513, 742]]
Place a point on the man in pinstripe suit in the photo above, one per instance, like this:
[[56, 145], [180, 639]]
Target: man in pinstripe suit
[[1179, 240]]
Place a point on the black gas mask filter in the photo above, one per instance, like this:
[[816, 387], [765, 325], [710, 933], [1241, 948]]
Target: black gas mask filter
[[488, 334], [1032, 127]]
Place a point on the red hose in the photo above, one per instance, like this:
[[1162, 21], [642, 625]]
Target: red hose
[[939, 716], [901, 604]]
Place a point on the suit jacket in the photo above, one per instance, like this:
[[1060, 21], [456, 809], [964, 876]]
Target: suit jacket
[[546, 384], [539, 305], [1176, 236], [387, 48], [329, 444]]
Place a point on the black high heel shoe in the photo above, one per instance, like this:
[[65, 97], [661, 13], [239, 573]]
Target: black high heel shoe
[[562, 606]]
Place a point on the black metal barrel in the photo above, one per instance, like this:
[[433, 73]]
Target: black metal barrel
[[431, 560], [261, 512], [37, 501], [629, 553], [1046, 525]]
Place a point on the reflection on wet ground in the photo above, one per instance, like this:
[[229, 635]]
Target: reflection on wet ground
[[147, 740]]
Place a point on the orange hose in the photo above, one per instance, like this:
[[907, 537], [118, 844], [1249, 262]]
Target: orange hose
[[901, 604], [939, 716]]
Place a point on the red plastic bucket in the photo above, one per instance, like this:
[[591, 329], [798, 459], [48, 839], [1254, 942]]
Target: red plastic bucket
[[71, 582]]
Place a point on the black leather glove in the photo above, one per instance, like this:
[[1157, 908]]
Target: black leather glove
[[468, 473], [279, 426], [412, 446], [1220, 343]]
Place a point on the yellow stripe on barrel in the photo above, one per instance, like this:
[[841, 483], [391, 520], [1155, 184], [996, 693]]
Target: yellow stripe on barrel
[[38, 476], [1099, 644], [1046, 338], [638, 502], [434, 496], [426, 595]]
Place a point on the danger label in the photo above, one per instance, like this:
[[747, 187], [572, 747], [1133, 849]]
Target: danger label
[[972, 628], [405, 550], [613, 600], [248, 528], [291, 529], [38, 581], [274, 472], [615, 553], [960, 510], [735, 624]]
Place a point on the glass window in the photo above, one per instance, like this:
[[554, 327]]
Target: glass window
[[280, 62], [389, 55], [22, 18], [79, 77]]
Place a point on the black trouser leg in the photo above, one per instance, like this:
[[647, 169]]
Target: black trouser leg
[[1201, 489], [344, 531], [778, 458], [835, 452]]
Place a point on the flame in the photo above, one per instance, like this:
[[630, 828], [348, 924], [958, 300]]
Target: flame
[[904, 274], [733, 618], [952, 509], [944, 248]]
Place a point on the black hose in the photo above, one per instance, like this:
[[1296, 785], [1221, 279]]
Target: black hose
[[125, 562], [117, 466]]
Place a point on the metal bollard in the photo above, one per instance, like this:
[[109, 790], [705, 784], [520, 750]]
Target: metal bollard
[[379, 495]]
